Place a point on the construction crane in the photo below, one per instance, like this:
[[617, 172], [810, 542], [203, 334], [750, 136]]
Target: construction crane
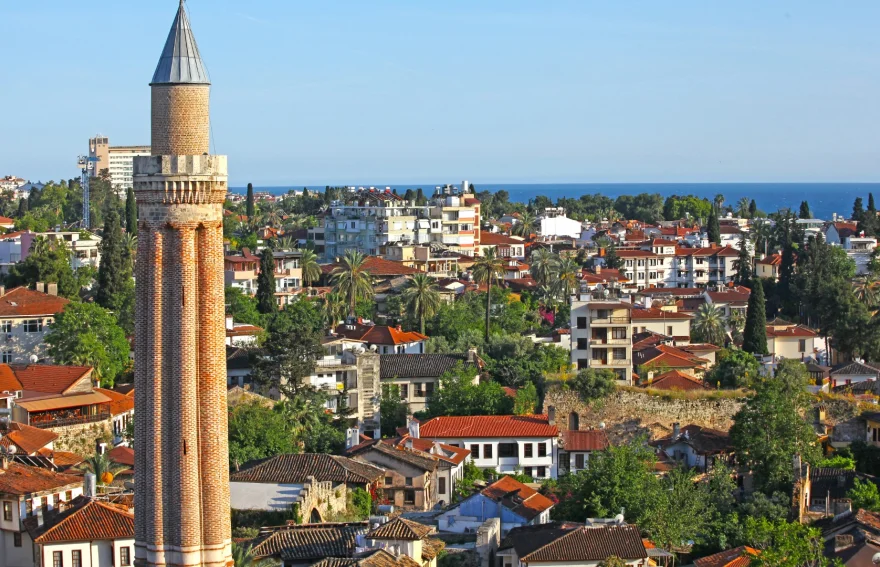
[[87, 167]]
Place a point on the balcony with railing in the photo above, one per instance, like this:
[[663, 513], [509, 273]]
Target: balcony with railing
[[609, 320], [66, 417], [613, 362]]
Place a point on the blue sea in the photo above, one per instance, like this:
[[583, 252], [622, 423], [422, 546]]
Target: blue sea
[[824, 198]]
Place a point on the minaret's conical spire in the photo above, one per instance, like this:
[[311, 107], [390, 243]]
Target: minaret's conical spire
[[180, 62]]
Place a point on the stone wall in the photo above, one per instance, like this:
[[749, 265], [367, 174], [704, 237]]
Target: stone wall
[[627, 414], [323, 497], [82, 439]]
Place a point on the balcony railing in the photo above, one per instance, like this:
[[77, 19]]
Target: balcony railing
[[607, 341], [613, 362], [40, 422], [608, 320]]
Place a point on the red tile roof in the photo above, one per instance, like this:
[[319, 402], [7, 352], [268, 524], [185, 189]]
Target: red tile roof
[[63, 459], [495, 239], [27, 439], [379, 334], [738, 294], [400, 529], [771, 260], [485, 426], [8, 381], [737, 557], [591, 440], [517, 497], [83, 520], [677, 380], [50, 379], [592, 544], [24, 302], [122, 456], [448, 453], [793, 331], [665, 355], [119, 403], [378, 267], [21, 479]]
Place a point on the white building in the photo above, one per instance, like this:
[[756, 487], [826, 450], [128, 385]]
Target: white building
[[559, 225], [25, 316], [506, 443], [117, 160], [601, 335], [573, 545], [84, 246]]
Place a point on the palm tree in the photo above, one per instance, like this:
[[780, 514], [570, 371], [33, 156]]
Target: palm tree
[[334, 308], [709, 325], [100, 464], [352, 280], [311, 270], [719, 202], [525, 225], [286, 243], [742, 207], [272, 217], [542, 266], [422, 297], [487, 269], [568, 277], [866, 290]]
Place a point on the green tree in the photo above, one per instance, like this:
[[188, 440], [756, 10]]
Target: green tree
[[678, 512], [734, 369], [422, 297], [85, 334], [250, 209], [864, 495], [460, 393], [393, 410], [709, 325], [785, 544], [805, 212], [542, 266], [242, 307], [311, 270], [488, 270], [755, 334], [769, 430], [131, 213], [48, 261], [525, 225], [743, 264], [351, 279], [258, 431], [612, 260], [115, 287], [290, 351], [593, 384], [100, 464], [753, 208], [713, 227], [526, 400], [742, 208], [266, 303], [567, 278], [334, 308], [858, 212]]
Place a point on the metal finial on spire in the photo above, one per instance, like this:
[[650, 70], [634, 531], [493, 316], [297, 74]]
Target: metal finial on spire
[[180, 62]]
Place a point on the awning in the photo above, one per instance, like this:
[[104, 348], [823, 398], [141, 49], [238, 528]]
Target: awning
[[63, 402]]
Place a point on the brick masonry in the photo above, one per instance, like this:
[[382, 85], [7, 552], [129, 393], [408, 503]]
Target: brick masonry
[[181, 451]]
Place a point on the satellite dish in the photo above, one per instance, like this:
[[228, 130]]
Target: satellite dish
[[602, 425], [34, 359], [11, 449], [876, 559]]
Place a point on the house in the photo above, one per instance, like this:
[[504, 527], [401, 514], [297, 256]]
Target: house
[[306, 544], [241, 334], [238, 367], [316, 482], [601, 335], [695, 446], [576, 447], [737, 557], [789, 341], [10, 250], [572, 544], [854, 373], [506, 443], [240, 271], [507, 499], [555, 223], [666, 321], [820, 487], [387, 340], [677, 380], [26, 492], [402, 537], [872, 425], [84, 247], [730, 300], [369, 558], [24, 439], [410, 480], [25, 315], [660, 358], [505, 246], [853, 539], [768, 266], [121, 411], [705, 351], [84, 532], [417, 376]]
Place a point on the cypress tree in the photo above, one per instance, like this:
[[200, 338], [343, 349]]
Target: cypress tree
[[115, 269], [753, 208], [409, 195], [743, 264], [266, 284], [250, 202], [871, 206], [420, 197], [131, 213], [713, 229], [22, 207], [805, 212], [858, 213], [755, 333]]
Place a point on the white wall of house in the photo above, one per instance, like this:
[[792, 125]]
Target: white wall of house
[[682, 452], [792, 347], [104, 553], [518, 463], [263, 495], [560, 226], [21, 337], [845, 379], [416, 347], [12, 556], [572, 458], [678, 327]]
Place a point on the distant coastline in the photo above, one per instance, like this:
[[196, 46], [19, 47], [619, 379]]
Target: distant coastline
[[825, 199]]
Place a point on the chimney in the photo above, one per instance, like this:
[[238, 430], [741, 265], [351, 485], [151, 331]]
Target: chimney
[[676, 430], [842, 506], [352, 435], [598, 269], [551, 415], [90, 489], [2, 290], [472, 355], [796, 463], [52, 288], [40, 286], [413, 427]]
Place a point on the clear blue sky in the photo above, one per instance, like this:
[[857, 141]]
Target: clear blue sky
[[505, 91]]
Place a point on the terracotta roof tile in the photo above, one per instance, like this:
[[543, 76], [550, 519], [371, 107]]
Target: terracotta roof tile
[[379, 334], [400, 528], [119, 403], [378, 267], [592, 544], [793, 331], [486, 426], [517, 497], [704, 440], [8, 381], [770, 260], [49, 379], [311, 542], [298, 468], [62, 459], [22, 479], [737, 557], [591, 440], [26, 438], [371, 558], [420, 365], [83, 520], [122, 456], [677, 380], [24, 302], [417, 459], [442, 451]]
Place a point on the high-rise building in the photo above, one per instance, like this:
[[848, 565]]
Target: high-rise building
[[181, 451], [117, 160], [601, 334]]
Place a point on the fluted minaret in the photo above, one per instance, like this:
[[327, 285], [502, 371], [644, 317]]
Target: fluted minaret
[[181, 451]]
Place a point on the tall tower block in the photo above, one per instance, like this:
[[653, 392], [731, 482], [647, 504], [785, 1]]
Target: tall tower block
[[181, 451]]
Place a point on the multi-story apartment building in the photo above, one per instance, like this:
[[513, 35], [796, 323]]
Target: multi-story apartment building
[[455, 220], [433, 259], [117, 160], [25, 315], [662, 263], [11, 183], [601, 335]]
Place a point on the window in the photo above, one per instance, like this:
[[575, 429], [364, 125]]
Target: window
[[527, 450], [581, 322], [802, 345], [620, 354], [542, 449], [420, 392], [583, 363], [429, 389], [389, 480], [582, 344], [527, 471], [618, 333], [6, 326], [16, 539], [57, 559], [669, 330], [28, 507], [542, 472], [441, 487], [76, 558], [409, 496], [124, 556], [579, 461], [33, 326], [404, 391], [487, 451], [409, 481], [507, 450], [475, 451], [7, 510], [68, 496]]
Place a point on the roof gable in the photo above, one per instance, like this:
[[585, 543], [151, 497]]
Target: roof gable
[[24, 302], [517, 497], [592, 544], [83, 520], [486, 426], [297, 468]]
